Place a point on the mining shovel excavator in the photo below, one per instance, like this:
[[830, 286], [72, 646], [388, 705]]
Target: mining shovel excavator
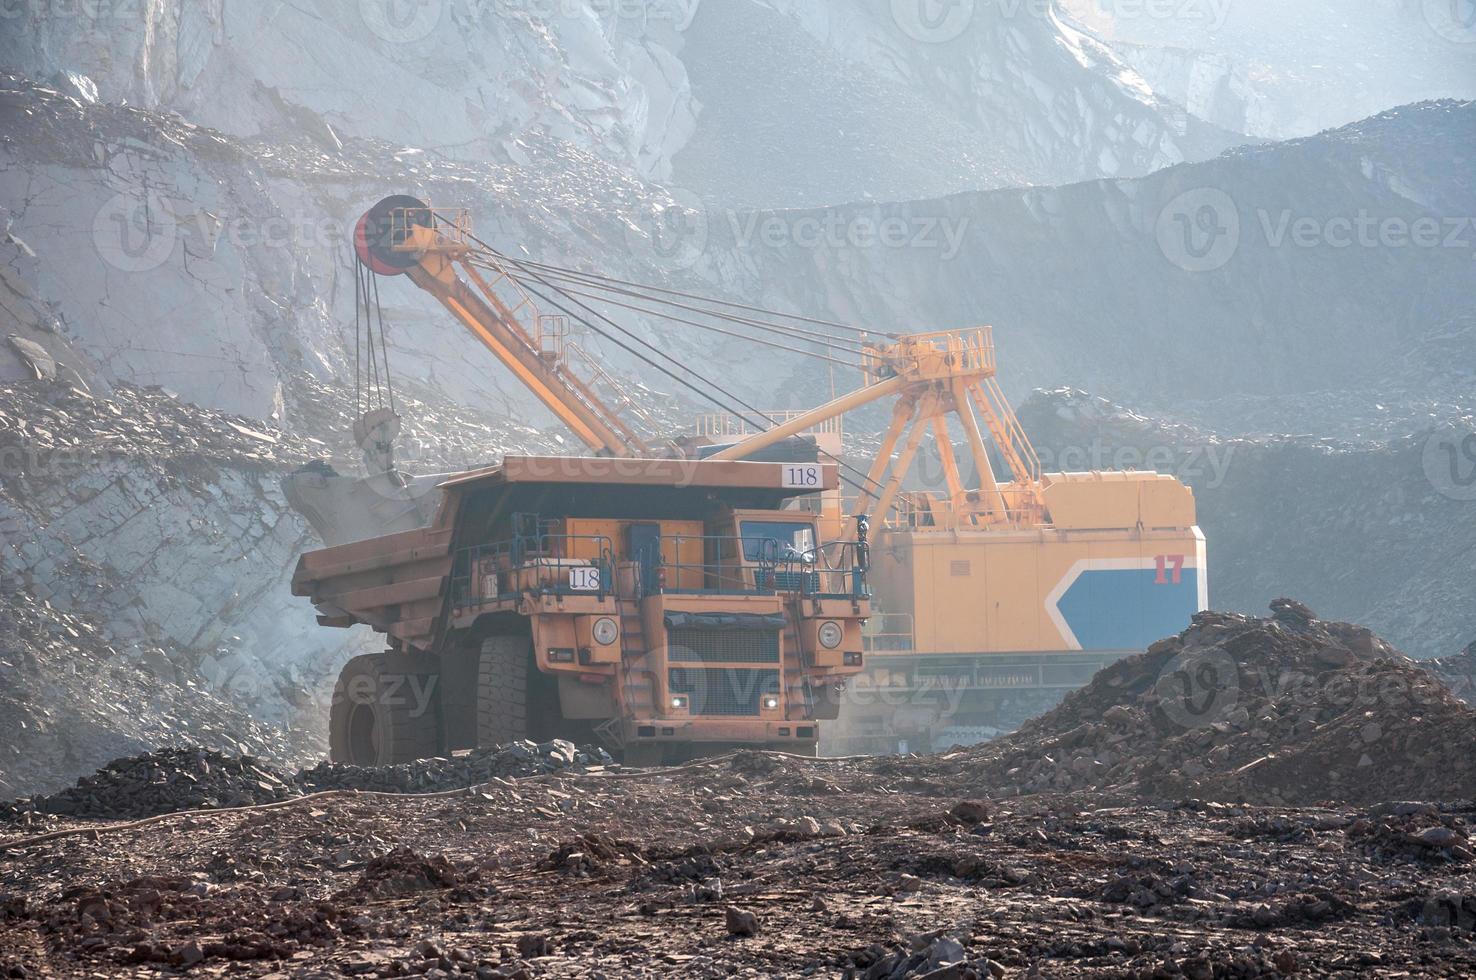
[[1021, 584]]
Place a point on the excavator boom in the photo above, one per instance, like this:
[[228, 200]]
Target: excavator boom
[[436, 250]]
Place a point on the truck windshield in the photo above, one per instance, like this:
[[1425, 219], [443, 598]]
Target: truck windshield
[[795, 542]]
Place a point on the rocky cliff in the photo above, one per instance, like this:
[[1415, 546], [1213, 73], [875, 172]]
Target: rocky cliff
[[1280, 70]]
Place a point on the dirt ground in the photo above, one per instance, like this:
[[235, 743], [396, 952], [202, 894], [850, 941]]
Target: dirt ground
[[861, 868]]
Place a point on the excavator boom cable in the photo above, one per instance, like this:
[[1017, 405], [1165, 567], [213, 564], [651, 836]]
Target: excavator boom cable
[[825, 340], [372, 384], [560, 270], [523, 266], [829, 340], [714, 389], [710, 328]]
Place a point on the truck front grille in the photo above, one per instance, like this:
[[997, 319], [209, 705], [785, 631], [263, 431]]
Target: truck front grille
[[686, 646], [807, 582], [724, 690]]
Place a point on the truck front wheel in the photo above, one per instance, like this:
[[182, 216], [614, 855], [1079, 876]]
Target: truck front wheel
[[502, 690], [385, 711]]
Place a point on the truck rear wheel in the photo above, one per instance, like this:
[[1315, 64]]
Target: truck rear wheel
[[385, 711], [502, 690]]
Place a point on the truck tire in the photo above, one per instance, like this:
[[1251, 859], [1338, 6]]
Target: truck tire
[[385, 711], [502, 690]]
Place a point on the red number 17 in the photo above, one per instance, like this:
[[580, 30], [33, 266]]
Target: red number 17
[[1167, 563]]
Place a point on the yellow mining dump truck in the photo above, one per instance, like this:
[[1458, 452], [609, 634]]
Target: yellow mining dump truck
[[666, 606]]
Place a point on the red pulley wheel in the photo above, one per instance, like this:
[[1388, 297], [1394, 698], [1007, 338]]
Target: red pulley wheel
[[382, 227]]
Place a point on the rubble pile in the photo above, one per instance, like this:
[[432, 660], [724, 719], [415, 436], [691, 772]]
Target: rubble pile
[[923, 955], [164, 782], [192, 778], [1286, 709], [404, 871], [458, 772]]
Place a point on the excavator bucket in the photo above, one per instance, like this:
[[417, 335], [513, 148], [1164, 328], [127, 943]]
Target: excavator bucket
[[345, 509]]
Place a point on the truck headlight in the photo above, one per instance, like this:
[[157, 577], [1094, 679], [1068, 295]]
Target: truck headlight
[[831, 635], [678, 702], [606, 631], [771, 703]]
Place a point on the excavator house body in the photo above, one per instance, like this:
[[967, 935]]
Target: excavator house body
[[993, 598], [661, 605], [972, 619], [1118, 567]]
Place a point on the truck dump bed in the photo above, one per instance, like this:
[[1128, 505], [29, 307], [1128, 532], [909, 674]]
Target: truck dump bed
[[399, 584]]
